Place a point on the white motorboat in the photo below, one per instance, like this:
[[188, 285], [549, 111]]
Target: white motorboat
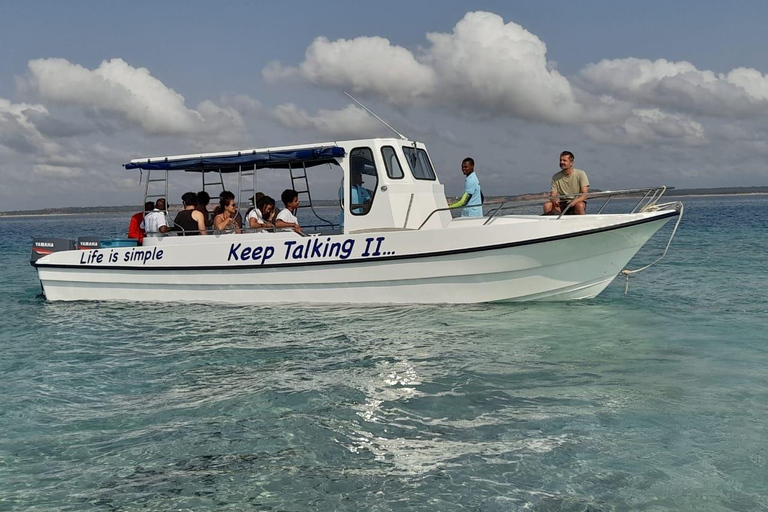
[[403, 246]]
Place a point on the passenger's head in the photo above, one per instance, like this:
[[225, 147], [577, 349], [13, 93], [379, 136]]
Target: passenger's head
[[566, 160], [225, 199], [160, 204], [356, 171], [289, 196], [189, 199], [256, 197], [467, 166], [227, 203], [203, 198], [266, 205], [149, 206]]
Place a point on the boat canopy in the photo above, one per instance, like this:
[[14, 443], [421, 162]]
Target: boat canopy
[[239, 160]]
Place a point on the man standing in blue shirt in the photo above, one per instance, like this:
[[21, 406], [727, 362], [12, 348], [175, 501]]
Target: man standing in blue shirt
[[472, 194]]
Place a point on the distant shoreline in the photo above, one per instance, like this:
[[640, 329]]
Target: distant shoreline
[[130, 210]]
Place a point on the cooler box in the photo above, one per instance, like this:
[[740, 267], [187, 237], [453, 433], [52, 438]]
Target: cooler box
[[120, 242]]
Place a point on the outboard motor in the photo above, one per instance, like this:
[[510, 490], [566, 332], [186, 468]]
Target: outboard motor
[[45, 246], [88, 242]]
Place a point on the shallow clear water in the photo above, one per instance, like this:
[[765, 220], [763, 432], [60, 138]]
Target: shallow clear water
[[657, 400]]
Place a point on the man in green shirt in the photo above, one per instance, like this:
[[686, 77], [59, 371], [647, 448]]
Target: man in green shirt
[[568, 185]]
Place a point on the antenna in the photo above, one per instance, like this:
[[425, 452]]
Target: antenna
[[403, 137]]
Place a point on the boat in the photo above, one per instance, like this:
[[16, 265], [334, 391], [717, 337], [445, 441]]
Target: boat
[[404, 246]]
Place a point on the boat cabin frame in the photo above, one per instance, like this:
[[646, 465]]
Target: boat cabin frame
[[388, 183]]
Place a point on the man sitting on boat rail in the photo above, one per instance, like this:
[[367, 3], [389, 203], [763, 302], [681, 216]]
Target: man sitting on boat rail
[[472, 193], [566, 184]]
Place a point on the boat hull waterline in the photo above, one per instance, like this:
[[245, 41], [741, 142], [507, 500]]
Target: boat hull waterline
[[515, 258]]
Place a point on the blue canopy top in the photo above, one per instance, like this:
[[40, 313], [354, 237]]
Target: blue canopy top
[[259, 159]]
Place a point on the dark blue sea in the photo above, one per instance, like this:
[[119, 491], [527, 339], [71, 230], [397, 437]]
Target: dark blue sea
[[652, 401]]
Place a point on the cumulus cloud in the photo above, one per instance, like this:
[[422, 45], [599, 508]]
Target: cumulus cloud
[[488, 67], [497, 67], [484, 64], [650, 126], [116, 87], [368, 64], [18, 131], [680, 86], [350, 121], [276, 72], [244, 104]]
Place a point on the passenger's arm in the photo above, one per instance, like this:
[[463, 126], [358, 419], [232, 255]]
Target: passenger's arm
[[554, 197], [461, 202], [583, 197], [219, 222], [200, 218], [280, 223]]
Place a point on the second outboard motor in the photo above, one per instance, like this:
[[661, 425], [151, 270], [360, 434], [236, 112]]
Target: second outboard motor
[[88, 242]]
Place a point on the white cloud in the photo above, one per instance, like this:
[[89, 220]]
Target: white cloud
[[218, 118], [132, 93], [650, 126], [350, 121], [484, 65], [18, 132], [275, 72], [368, 65], [680, 86], [244, 104], [499, 68]]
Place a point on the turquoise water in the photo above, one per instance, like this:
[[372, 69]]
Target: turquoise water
[[653, 401]]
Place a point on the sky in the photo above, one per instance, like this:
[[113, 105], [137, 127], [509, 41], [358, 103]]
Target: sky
[[644, 93]]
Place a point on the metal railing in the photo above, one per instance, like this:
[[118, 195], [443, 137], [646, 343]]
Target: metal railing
[[177, 230], [648, 198]]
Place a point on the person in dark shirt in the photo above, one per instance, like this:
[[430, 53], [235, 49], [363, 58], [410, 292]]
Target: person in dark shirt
[[190, 220], [203, 198]]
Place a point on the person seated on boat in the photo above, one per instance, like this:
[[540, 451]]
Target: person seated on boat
[[225, 195], [226, 220], [135, 229], [254, 200], [156, 222], [472, 199], [566, 184], [360, 197], [257, 218], [190, 221], [203, 199], [286, 219]]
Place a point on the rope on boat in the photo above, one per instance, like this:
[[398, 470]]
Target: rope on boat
[[654, 207]]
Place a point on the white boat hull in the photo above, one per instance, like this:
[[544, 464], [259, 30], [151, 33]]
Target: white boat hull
[[512, 259]]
